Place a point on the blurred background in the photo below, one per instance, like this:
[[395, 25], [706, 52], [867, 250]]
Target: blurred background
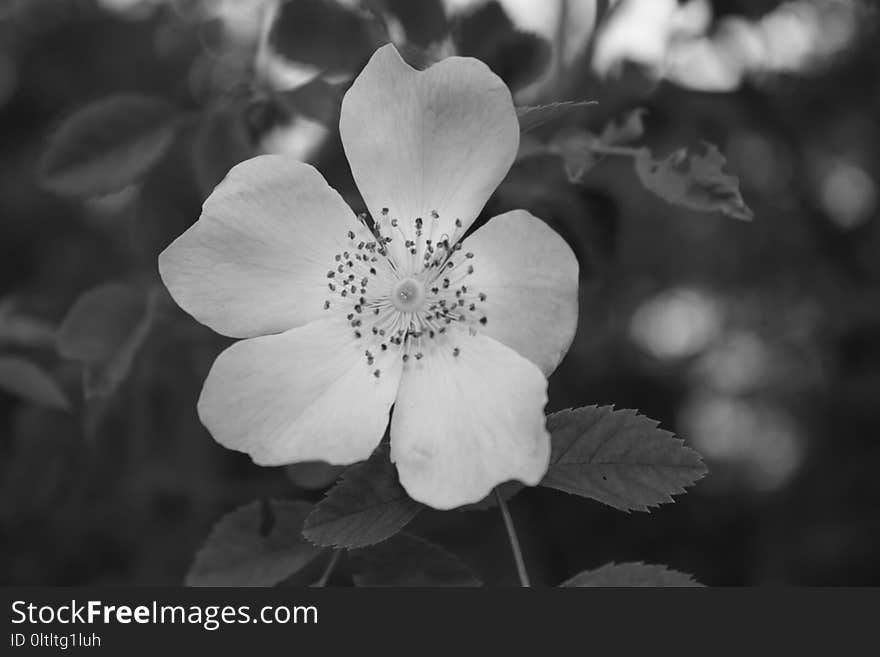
[[757, 342]]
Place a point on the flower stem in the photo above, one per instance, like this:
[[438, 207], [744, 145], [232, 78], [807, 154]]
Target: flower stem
[[514, 541], [328, 571], [615, 150]]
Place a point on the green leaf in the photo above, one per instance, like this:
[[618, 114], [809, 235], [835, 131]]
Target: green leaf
[[256, 545], [104, 330], [406, 560], [531, 117], [28, 381], [631, 574], [367, 506], [693, 181], [107, 145], [619, 458]]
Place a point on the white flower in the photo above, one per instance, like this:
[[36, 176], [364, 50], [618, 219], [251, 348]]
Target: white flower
[[342, 320]]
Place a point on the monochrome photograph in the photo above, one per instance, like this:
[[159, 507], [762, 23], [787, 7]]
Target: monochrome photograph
[[500, 294]]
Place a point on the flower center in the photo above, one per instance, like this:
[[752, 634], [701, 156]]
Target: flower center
[[408, 295], [402, 294]]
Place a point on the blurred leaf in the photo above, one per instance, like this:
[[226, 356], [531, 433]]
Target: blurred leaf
[[629, 129], [367, 506], [531, 117], [423, 21], [256, 545], [313, 475], [20, 330], [619, 458], [28, 381], [104, 330], [488, 34], [578, 154], [222, 140], [406, 560], [695, 181], [301, 29], [581, 149], [41, 474], [631, 574], [585, 218], [169, 199], [107, 145], [318, 100]]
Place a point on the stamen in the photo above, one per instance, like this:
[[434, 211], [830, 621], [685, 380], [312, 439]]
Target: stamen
[[400, 294]]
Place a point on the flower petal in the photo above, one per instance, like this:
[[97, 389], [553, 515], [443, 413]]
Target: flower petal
[[463, 424], [256, 261], [530, 278], [440, 139], [303, 395]]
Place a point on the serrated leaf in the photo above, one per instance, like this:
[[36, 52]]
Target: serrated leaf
[[635, 574], [532, 117], [694, 181], [256, 545], [407, 560], [28, 381], [104, 330], [367, 506], [107, 145], [619, 458]]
